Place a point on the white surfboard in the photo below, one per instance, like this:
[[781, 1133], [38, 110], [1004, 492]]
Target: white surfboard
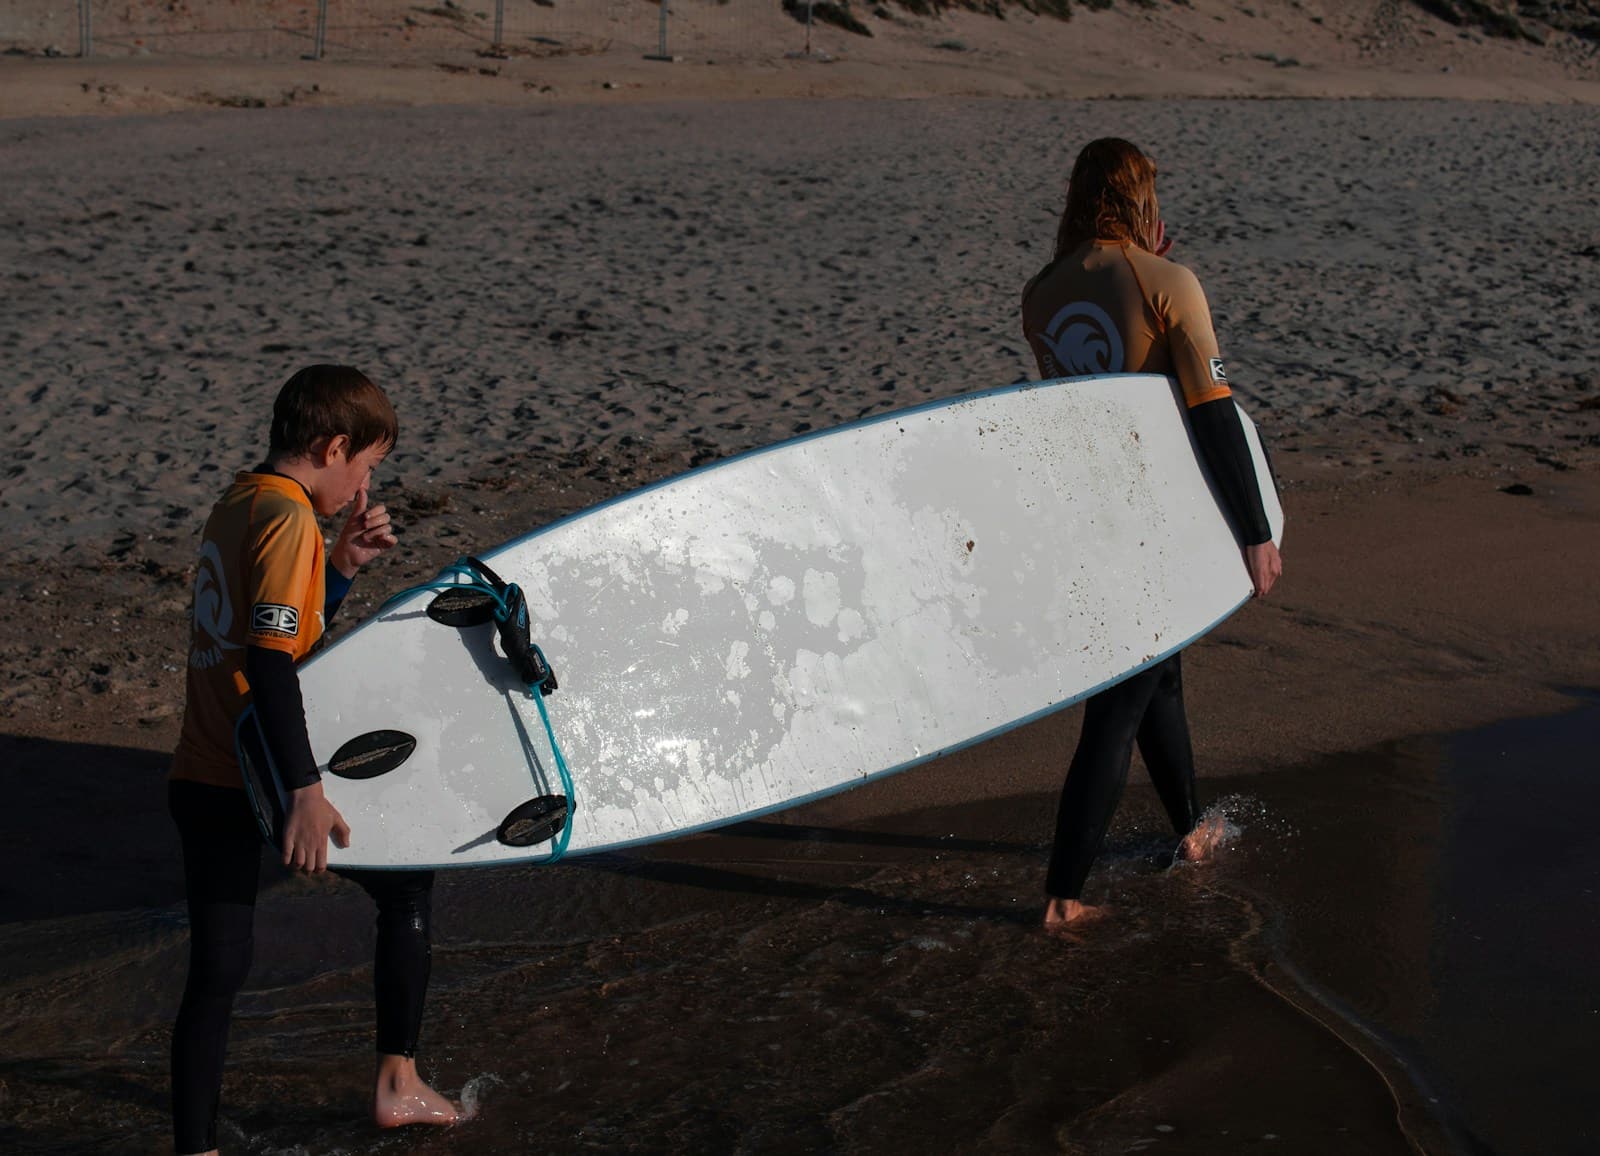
[[792, 622]]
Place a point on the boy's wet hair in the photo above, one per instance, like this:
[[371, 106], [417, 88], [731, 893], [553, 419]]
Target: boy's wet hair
[[323, 401]]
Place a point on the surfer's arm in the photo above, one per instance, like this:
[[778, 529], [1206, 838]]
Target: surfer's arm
[[312, 820], [1220, 433], [367, 532], [1197, 363], [336, 585], [1223, 448], [275, 691]]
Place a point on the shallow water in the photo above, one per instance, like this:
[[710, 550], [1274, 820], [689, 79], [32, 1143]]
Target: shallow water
[[1452, 917], [1395, 951]]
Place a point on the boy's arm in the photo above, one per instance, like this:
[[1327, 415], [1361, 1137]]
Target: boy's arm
[[367, 532], [275, 690], [336, 585]]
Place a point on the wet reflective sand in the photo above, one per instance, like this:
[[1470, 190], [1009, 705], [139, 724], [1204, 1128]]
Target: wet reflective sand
[[1394, 952]]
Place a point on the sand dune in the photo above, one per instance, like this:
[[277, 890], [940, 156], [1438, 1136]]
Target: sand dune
[[156, 57]]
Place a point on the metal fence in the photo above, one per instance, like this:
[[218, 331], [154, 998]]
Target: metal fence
[[394, 29]]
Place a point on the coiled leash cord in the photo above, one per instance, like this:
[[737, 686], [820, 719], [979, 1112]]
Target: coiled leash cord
[[481, 595]]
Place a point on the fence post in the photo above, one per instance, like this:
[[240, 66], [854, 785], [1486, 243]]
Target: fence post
[[499, 22], [661, 52], [85, 29], [322, 29]]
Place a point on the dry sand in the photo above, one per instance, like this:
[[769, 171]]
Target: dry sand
[[568, 303]]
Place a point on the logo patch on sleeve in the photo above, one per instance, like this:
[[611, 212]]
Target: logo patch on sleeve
[[271, 618], [1217, 372]]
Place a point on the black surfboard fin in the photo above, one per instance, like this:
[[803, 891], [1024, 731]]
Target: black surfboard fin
[[534, 821]]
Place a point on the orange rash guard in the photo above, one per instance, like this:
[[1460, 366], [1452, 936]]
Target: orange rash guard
[[261, 582], [1112, 307]]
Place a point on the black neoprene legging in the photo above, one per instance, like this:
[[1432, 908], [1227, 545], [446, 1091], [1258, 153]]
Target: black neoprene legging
[[221, 867], [1147, 709]]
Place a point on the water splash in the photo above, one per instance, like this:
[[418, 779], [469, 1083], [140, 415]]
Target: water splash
[[475, 1091]]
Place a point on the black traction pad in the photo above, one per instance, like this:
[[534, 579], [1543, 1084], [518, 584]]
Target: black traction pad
[[534, 821], [372, 754], [464, 607]]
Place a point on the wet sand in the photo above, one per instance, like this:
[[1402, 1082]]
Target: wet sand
[[1390, 942]]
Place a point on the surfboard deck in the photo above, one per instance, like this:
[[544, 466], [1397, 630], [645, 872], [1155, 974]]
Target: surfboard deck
[[793, 622]]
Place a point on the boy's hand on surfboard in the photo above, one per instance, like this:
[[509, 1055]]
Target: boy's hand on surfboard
[[367, 533], [1265, 566], [312, 819]]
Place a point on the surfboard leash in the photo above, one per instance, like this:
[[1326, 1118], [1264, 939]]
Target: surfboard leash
[[471, 594]]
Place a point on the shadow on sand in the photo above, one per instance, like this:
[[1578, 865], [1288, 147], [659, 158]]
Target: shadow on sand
[[84, 829]]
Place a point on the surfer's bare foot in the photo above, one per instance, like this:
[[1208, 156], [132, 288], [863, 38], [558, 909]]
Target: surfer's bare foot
[[1201, 844], [402, 1097], [1063, 913]]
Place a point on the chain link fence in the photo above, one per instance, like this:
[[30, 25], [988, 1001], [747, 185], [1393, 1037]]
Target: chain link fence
[[394, 29]]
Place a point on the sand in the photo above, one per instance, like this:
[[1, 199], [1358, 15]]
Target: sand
[[568, 304], [571, 289], [152, 56]]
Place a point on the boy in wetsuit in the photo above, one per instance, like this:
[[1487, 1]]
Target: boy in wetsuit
[[264, 590]]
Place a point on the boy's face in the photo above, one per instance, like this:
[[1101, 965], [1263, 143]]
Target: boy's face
[[346, 475]]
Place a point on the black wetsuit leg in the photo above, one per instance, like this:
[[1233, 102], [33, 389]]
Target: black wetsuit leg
[[1164, 743], [221, 870], [403, 958], [1113, 721], [222, 864]]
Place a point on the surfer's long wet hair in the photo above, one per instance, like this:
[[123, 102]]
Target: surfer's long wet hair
[[1111, 196]]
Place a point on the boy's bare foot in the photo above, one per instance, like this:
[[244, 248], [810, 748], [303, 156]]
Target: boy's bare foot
[[1062, 913], [402, 1097], [1200, 844]]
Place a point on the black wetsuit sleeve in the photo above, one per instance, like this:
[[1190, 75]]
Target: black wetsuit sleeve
[[336, 586], [275, 690], [1227, 456]]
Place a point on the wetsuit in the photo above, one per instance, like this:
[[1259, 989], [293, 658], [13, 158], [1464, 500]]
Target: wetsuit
[[1112, 307], [263, 593]]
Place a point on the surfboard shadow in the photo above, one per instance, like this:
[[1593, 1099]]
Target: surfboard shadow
[[84, 829], [800, 833], [721, 879]]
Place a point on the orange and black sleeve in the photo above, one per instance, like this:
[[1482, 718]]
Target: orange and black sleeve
[[283, 550], [1212, 414]]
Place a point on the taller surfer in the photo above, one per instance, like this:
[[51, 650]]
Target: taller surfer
[[263, 593], [1110, 302]]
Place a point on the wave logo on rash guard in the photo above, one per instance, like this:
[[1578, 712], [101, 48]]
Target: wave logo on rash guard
[[1082, 339], [213, 611]]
